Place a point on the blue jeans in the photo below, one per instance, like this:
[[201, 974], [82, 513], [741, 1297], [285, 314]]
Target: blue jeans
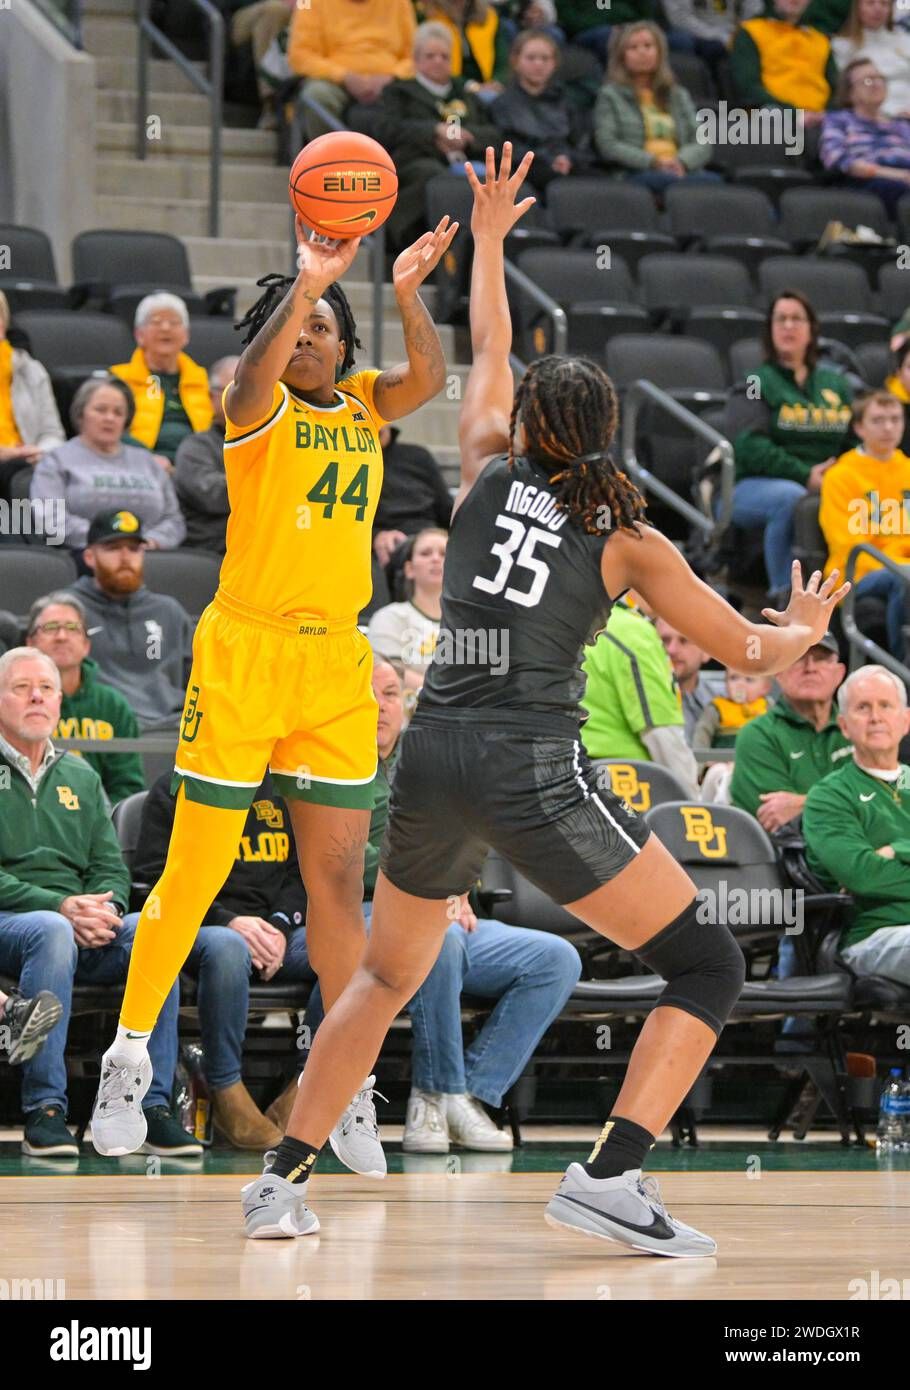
[[530, 974], [881, 583], [39, 947], [220, 962], [770, 503], [659, 180], [596, 40]]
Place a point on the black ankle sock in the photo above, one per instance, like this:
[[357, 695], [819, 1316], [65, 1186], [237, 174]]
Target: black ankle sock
[[622, 1145], [294, 1160]]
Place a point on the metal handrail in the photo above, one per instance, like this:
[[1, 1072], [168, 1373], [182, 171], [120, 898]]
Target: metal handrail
[[708, 523], [555, 311], [212, 87], [859, 642], [67, 17]]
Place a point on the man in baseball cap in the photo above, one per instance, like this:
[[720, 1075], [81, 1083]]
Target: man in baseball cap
[[782, 754], [141, 641]]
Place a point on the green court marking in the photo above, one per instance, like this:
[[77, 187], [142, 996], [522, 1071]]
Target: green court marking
[[714, 1157]]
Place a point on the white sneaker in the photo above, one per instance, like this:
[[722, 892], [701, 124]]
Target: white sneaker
[[471, 1127], [355, 1138], [119, 1125], [426, 1129]]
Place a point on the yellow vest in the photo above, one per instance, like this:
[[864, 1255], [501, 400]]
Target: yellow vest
[[149, 398], [734, 715], [9, 434], [897, 388], [481, 38], [303, 484], [793, 62]]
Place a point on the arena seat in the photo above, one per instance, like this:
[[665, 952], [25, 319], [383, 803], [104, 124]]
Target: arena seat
[[605, 212], [838, 290], [723, 328], [875, 362], [212, 337], [701, 218], [127, 817], [189, 576], [672, 285], [903, 217], [28, 571], [806, 212], [764, 166], [746, 356], [694, 74], [110, 263], [583, 290], [894, 290], [71, 340], [640, 783], [31, 280], [688, 368]]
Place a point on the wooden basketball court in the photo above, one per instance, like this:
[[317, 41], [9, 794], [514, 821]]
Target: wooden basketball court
[[438, 1235]]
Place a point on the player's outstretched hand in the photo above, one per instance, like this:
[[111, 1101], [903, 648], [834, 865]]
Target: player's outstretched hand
[[810, 606], [416, 262], [321, 258], [495, 210]]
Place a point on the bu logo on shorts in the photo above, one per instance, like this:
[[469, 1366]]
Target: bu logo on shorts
[[701, 830], [192, 716]]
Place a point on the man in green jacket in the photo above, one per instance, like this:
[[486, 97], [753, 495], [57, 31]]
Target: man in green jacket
[[64, 889], [90, 708], [857, 824], [782, 754]]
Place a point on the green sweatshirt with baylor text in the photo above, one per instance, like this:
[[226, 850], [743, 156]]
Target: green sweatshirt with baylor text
[[848, 816]]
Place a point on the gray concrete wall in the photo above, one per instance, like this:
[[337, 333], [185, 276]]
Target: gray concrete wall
[[47, 130]]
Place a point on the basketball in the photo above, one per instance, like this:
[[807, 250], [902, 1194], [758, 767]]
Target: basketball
[[343, 184]]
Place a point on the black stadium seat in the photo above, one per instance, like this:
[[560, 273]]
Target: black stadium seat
[[746, 356], [117, 268], [605, 212], [598, 301], [189, 576], [684, 367], [28, 572], [213, 337], [30, 279], [69, 339], [806, 212], [725, 221], [671, 285], [894, 290], [127, 817], [875, 362], [640, 783], [838, 290], [723, 328]]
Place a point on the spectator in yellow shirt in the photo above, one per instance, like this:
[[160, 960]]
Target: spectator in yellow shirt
[[865, 497], [348, 51]]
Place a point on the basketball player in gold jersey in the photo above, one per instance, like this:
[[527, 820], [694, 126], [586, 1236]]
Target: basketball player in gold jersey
[[281, 675]]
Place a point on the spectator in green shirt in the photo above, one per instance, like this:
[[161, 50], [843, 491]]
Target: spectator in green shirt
[[90, 708], [782, 754], [857, 824], [632, 700], [792, 418], [582, 21]]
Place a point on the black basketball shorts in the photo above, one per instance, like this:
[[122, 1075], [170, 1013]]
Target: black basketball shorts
[[463, 786]]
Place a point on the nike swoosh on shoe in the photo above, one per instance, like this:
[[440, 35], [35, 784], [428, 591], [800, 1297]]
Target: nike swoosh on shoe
[[658, 1229]]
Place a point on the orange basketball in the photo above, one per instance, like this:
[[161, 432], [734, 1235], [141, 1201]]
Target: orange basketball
[[343, 184]]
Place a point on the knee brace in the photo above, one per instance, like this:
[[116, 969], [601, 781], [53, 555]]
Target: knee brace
[[702, 965]]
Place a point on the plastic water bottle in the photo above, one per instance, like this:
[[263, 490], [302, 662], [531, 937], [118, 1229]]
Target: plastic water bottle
[[894, 1115]]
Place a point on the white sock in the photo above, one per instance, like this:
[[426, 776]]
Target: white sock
[[129, 1046]]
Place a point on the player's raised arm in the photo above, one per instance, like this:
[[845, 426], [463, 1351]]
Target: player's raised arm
[[483, 428], [266, 358], [653, 566], [410, 385]]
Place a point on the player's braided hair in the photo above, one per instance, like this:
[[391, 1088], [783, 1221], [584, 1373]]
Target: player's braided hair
[[569, 411], [276, 287]]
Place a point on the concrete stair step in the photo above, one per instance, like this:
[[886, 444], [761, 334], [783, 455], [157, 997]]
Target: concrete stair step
[[119, 74], [189, 216], [97, 8], [230, 256], [110, 35], [178, 138], [172, 107], [359, 293], [160, 177]]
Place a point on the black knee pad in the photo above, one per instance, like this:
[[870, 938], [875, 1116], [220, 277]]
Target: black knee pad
[[702, 965]]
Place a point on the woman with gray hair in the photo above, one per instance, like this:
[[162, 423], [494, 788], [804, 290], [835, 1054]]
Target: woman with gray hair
[[29, 422], [96, 471], [170, 390]]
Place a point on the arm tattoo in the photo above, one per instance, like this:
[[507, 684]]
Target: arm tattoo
[[421, 340], [270, 330]]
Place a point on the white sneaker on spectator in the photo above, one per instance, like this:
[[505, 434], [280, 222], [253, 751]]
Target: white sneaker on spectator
[[471, 1127], [426, 1129], [355, 1138]]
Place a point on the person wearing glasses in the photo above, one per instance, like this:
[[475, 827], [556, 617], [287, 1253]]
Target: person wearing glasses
[[869, 150], [789, 421], [90, 708], [170, 390]]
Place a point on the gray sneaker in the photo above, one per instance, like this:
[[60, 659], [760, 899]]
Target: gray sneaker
[[355, 1138], [274, 1207], [119, 1125], [627, 1209]]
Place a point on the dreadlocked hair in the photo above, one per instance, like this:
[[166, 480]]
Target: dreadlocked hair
[[569, 411], [276, 287]]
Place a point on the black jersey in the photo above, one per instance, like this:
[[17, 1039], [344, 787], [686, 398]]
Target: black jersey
[[522, 594]]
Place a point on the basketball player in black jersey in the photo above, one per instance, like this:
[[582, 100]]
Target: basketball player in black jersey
[[545, 531]]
